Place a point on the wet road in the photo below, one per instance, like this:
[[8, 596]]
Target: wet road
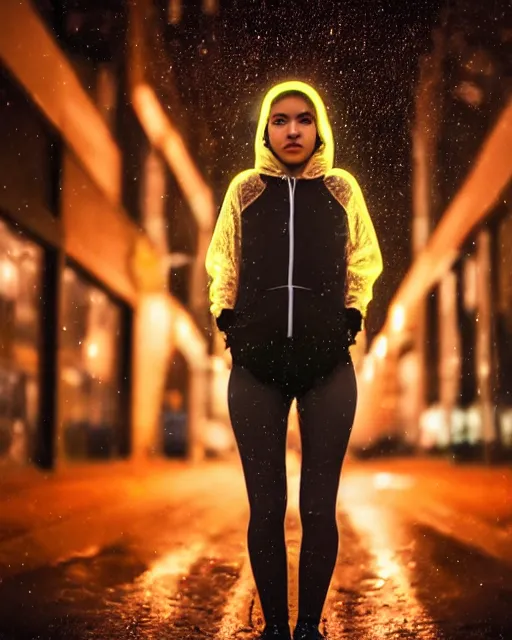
[[181, 573]]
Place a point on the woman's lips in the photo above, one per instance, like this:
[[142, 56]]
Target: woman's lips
[[293, 147]]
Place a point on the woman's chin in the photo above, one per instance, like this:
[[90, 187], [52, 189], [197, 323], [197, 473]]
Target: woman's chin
[[293, 163]]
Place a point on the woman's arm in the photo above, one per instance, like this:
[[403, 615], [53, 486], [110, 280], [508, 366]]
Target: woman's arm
[[221, 257], [364, 259]]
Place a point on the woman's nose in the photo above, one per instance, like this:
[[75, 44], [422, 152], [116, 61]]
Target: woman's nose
[[293, 130]]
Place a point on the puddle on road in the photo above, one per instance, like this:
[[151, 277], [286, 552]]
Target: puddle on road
[[182, 595], [466, 591], [373, 597], [397, 579], [396, 608], [56, 602]]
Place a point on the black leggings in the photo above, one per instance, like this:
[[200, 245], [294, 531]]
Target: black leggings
[[259, 416]]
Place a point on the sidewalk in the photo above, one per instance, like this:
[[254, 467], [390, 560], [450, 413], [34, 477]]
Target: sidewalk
[[484, 491], [471, 503], [46, 517]]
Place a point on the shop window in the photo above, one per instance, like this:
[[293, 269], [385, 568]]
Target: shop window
[[466, 273], [174, 416], [91, 360], [502, 343], [21, 265], [432, 348]]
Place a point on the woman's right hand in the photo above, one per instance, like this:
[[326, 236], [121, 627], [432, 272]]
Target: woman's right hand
[[354, 323], [225, 320]]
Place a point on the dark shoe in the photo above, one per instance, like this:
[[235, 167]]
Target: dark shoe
[[307, 631], [276, 632]]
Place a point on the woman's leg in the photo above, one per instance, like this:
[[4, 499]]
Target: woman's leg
[[326, 413], [259, 416]]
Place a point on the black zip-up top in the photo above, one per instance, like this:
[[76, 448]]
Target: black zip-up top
[[293, 270]]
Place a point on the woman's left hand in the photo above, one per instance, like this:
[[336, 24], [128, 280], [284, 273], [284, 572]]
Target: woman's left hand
[[354, 323]]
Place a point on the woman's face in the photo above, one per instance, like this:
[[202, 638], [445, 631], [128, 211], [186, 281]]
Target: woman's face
[[292, 130]]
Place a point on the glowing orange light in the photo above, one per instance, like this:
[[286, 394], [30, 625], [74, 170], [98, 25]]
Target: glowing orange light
[[368, 369], [381, 347], [8, 278], [92, 350], [166, 137], [397, 318]]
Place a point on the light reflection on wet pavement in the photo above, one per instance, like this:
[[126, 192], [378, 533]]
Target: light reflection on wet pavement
[[183, 574]]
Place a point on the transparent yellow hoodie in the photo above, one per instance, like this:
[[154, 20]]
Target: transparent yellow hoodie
[[363, 256]]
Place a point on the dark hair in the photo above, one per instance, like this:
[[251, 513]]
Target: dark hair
[[297, 94]]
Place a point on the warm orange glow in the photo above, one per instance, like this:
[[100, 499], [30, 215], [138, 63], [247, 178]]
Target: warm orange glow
[[491, 172], [8, 278], [385, 537], [368, 369], [159, 315], [152, 347], [183, 329], [397, 318], [155, 587], [218, 364], [210, 6], [92, 350], [166, 138], [188, 339], [381, 347], [7, 271], [175, 12]]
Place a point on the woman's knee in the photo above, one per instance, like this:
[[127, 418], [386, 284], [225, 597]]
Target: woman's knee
[[270, 511], [316, 518]]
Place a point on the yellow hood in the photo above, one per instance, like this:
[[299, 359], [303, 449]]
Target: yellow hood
[[321, 161]]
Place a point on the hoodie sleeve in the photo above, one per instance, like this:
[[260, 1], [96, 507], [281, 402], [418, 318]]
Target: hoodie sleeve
[[364, 259], [222, 255]]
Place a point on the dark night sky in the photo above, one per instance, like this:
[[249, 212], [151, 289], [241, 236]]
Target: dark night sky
[[363, 58]]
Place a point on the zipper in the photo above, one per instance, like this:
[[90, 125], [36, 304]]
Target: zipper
[[292, 183]]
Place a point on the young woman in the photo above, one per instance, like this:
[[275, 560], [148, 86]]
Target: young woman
[[291, 267]]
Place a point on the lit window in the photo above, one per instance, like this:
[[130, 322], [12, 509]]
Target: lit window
[[21, 264], [90, 342]]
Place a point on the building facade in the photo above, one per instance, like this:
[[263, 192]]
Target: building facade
[[104, 222], [438, 376]]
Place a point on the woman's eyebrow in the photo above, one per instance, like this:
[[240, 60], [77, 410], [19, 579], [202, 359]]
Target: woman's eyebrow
[[287, 115]]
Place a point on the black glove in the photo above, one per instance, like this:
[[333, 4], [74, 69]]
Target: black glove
[[354, 323], [225, 320]]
